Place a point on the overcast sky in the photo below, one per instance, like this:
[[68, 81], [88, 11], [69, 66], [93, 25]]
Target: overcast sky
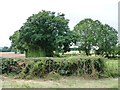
[[13, 13]]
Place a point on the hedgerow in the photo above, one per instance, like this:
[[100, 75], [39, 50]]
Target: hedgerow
[[41, 67]]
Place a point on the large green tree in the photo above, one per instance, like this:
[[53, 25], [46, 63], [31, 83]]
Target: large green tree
[[42, 34], [107, 40], [94, 34], [85, 31]]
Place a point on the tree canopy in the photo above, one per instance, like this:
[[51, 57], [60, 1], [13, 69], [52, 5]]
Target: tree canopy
[[94, 35], [48, 32], [42, 34]]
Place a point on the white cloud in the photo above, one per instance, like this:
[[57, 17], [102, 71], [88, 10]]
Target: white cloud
[[15, 12]]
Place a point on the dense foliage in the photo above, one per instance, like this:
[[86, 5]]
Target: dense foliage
[[94, 67], [48, 34], [9, 65], [40, 67], [42, 34], [93, 35]]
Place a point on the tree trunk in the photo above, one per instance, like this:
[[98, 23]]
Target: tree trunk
[[35, 52], [38, 52], [87, 52]]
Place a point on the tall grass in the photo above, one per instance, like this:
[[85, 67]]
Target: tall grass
[[112, 68]]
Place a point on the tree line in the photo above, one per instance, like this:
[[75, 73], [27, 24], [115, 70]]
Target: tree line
[[5, 49], [47, 33]]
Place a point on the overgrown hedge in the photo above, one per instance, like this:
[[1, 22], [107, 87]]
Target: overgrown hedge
[[40, 67]]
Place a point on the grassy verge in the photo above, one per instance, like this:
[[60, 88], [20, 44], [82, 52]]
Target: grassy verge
[[64, 82]]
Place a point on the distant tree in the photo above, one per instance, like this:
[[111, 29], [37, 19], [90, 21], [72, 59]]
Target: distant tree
[[107, 40], [42, 34], [85, 31], [94, 33], [5, 49]]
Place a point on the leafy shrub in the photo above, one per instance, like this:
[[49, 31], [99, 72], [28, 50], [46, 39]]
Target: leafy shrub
[[9, 65], [82, 66], [65, 66]]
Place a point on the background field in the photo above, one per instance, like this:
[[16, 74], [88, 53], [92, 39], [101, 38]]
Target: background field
[[11, 55]]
